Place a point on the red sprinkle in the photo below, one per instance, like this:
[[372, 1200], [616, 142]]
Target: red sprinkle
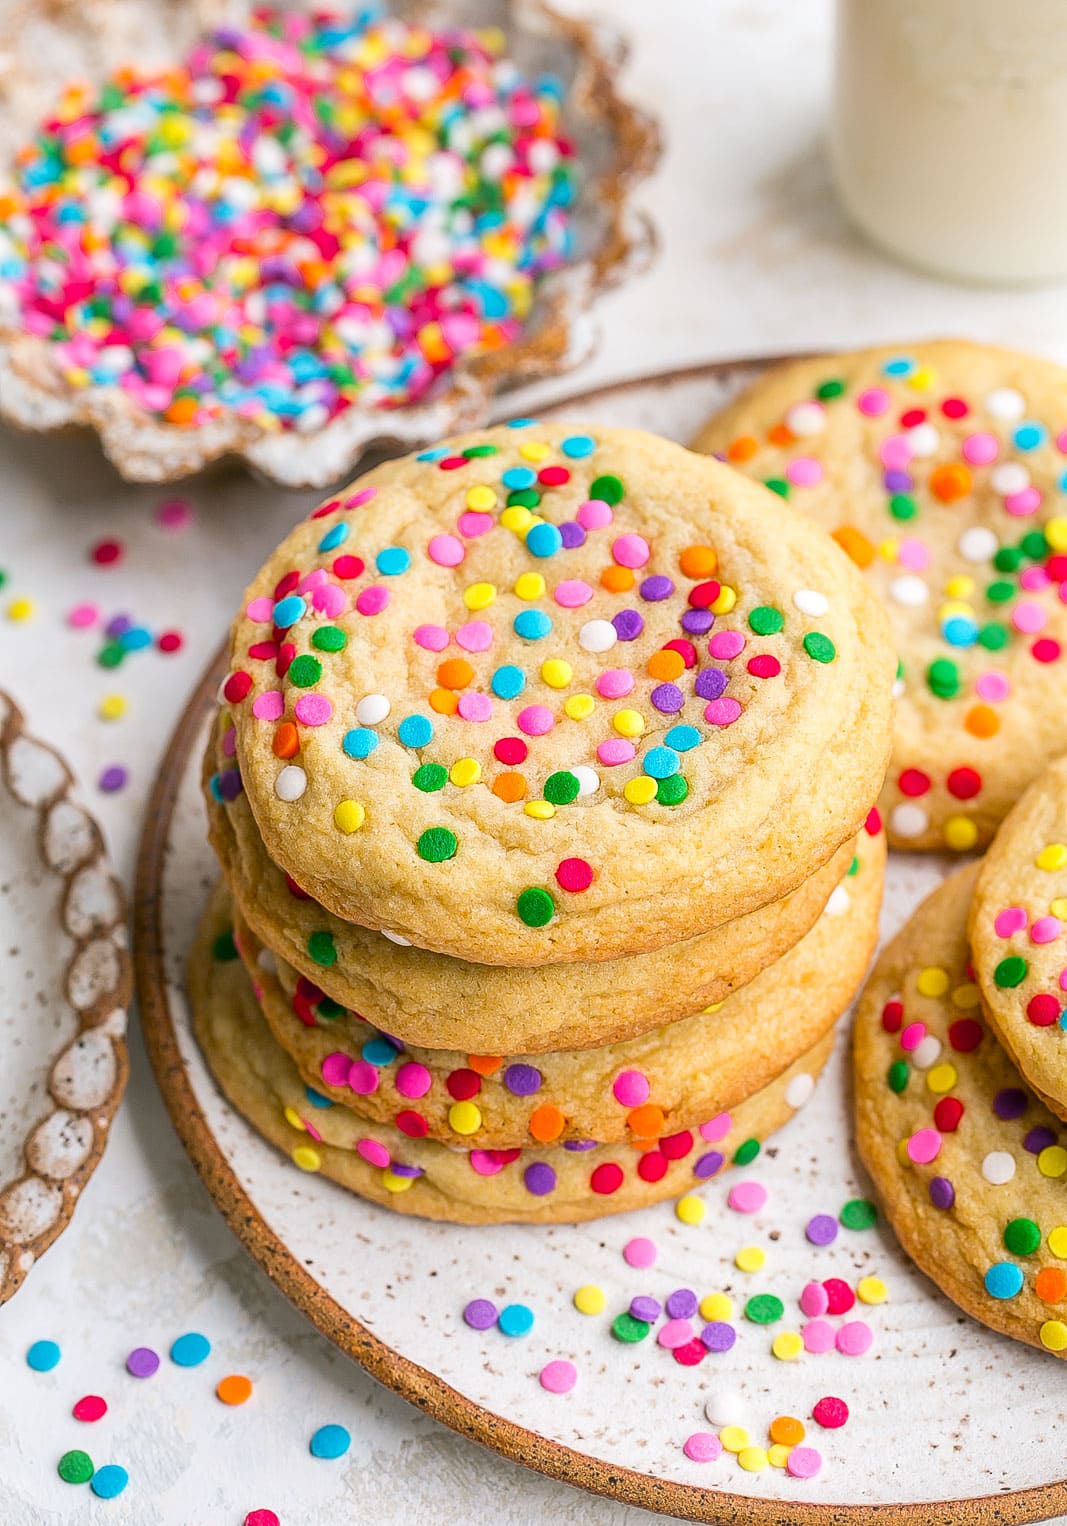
[[236, 687], [574, 874], [91, 1407], [841, 1296], [606, 1179], [105, 552], [913, 782], [964, 783], [830, 1413], [171, 641], [1043, 1010], [965, 1034], [947, 1114]]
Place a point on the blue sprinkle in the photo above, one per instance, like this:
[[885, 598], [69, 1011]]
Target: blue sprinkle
[[392, 561], [531, 624], [415, 731], [683, 738], [289, 610], [578, 446], [959, 630], [43, 1356], [900, 365], [1029, 436], [520, 423], [438, 453], [543, 540], [316, 1098], [190, 1350], [508, 681], [1003, 1280], [661, 762], [518, 477], [515, 1319], [334, 538], [330, 1441], [378, 1052], [360, 742], [135, 638], [109, 1481]]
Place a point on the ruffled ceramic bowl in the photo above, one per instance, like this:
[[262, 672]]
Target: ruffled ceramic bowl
[[43, 47]]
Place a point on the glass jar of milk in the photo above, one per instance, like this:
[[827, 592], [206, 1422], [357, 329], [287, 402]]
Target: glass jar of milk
[[949, 133]]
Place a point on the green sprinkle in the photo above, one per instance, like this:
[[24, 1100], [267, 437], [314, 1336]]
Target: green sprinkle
[[224, 948], [746, 1152], [75, 1467], [897, 1075], [1034, 545], [535, 906], [562, 788], [111, 655], [625, 1328], [524, 498], [430, 777], [854, 867], [672, 791], [826, 391], [437, 844], [819, 647], [765, 620], [321, 948], [473, 452], [859, 1213], [764, 1309], [1022, 1237], [903, 506], [608, 489], [943, 678], [994, 636], [329, 1009], [329, 638], [305, 671], [777, 485], [1000, 591], [1007, 559], [1010, 972]]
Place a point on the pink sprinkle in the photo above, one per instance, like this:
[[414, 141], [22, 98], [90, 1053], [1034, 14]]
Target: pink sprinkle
[[981, 448], [640, 1252], [363, 1077], [874, 402], [992, 686], [814, 1300], [174, 514], [310, 1129], [485, 1162], [311, 579], [747, 1197], [1046, 930], [1063, 980], [818, 1336], [559, 1377], [475, 636], [616, 683], [472, 524], [594, 514], [372, 600], [372, 1151], [630, 550], [924, 1146], [446, 551], [432, 638], [702, 1446], [895, 452], [854, 1338], [722, 712], [716, 1128], [1028, 618], [1011, 920], [335, 1068], [726, 644], [329, 599], [913, 554], [675, 1333], [313, 709], [413, 1080], [260, 609], [804, 471], [631, 1088], [1023, 503], [572, 594], [269, 706], [82, 616], [1034, 579], [803, 1462], [474, 706], [357, 500], [614, 751], [229, 743], [912, 1036], [535, 720]]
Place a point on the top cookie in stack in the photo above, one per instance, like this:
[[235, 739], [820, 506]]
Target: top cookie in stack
[[552, 694]]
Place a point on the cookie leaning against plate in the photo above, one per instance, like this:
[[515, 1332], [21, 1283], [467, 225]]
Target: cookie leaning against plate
[[669, 1079], [436, 1181], [541, 694], [1018, 932], [969, 1164], [941, 468], [447, 1003]]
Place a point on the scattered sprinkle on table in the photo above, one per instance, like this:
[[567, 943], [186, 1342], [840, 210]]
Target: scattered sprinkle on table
[[831, 1413], [43, 1356], [559, 1377], [142, 1362], [821, 1229], [690, 1209], [90, 1407], [516, 1319], [109, 1481], [480, 1314], [330, 1441], [589, 1299], [859, 1213], [174, 514], [261, 1518], [75, 1467], [106, 552], [190, 1350], [234, 1389], [803, 1462], [702, 1446], [640, 1252], [113, 778], [723, 1405], [747, 1197]]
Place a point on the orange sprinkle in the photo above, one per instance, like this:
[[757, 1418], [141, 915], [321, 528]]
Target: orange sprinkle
[[982, 721], [444, 702], [1050, 1284], [646, 1120], [286, 743], [742, 449], [617, 579], [854, 544], [484, 1064], [234, 1389], [509, 787], [546, 1122], [666, 665], [781, 434], [950, 482], [698, 561], [786, 1431], [455, 673], [181, 411]]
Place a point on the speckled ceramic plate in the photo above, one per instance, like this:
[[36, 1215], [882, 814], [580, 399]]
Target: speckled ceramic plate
[[949, 1422], [64, 987]]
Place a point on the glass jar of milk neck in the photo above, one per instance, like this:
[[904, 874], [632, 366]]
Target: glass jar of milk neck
[[949, 133]]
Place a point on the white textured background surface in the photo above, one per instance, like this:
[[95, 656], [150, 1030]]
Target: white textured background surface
[[755, 256]]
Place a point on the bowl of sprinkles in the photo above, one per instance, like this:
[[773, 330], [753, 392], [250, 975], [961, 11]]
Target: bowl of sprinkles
[[296, 233]]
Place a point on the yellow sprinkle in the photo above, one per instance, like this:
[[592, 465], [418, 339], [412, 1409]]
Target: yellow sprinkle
[[753, 1459], [465, 771], [540, 810], [787, 1346], [349, 816], [641, 790], [750, 1258], [294, 1120], [716, 1306], [960, 833], [1058, 907], [579, 706], [21, 609], [1057, 1241], [1054, 1334], [589, 1299], [778, 1455], [557, 673], [393, 1183], [933, 981], [941, 1078], [714, 1006], [966, 996], [112, 706], [628, 723], [903, 1158], [1056, 532], [533, 450], [1052, 1161], [960, 587], [871, 1290], [306, 1158], [888, 549], [922, 378], [529, 585], [479, 595], [481, 498], [947, 611], [1052, 857], [464, 1118], [690, 1209], [518, 518], [725, 602], [733, 1437]]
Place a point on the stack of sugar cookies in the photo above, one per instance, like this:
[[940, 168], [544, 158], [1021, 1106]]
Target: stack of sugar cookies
[[542, 787]]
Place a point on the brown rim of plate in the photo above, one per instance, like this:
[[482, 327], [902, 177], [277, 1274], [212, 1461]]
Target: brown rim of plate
[[97, 1003], [692, 1502]]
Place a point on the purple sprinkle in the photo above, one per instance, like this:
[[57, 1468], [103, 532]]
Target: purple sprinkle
[[668, 698], [718, 1336], [709, 1165], [579, 1144], [117, 626], [522, 1080], [113, 778], [480, 1314], [628, 624], [697, 621], [540, 1179], [655, 588], [821, 1229], [571, 534], [1009, 1102], [682, 1303], [1039, 1139], [645, 1308], [399, 1170], [229, 784], [942, 1192], [710, 683], [898, 482], [142, 1362]]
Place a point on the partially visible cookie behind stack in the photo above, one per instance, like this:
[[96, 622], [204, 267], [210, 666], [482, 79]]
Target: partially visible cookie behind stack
[[540, 755]]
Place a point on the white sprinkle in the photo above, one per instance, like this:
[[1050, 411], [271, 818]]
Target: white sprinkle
[[1009, 477], [372, 709], [588, 779], [909, 590], [805, 419], [725, 1406], [799, 1090], [266, 961], [839, 902], [923, 439], [811, 603], [926, 1052], [290, 783], [977, 544], [1005, 403], [998, 1167], [397, 938], [908, 820], [597, 636]]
